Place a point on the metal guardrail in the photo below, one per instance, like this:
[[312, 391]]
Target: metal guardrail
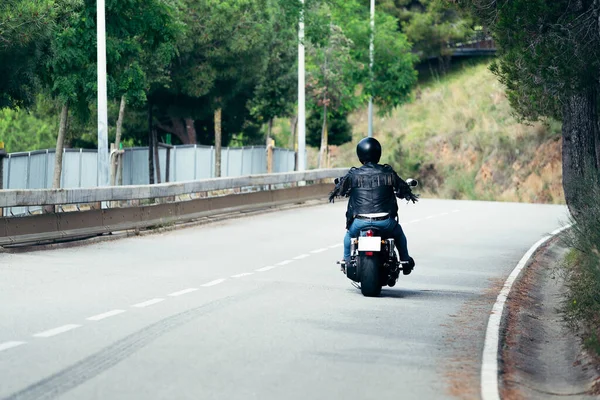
[[41, 197], [68, 225]]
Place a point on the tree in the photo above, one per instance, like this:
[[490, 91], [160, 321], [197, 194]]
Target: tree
[[69, 69], [549, 60], [330, 80], [275, 94], [430, 25], [141, 40], [222, 54], [24, 28]]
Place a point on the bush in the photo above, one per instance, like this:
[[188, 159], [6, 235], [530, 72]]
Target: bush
[[582, 267]]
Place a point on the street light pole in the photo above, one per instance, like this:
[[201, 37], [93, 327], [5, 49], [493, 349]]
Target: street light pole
[[371, 56], [102, 95], [301, 95]]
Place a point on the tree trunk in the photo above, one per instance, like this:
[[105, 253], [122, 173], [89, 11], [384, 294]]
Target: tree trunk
[[269, 152], [269, 131], [294, 145], [60, 141], [190, 130], [156, 157], [218, 114], [150, 146], [324, 138], [115, 159], [580, 132], [293, 124]]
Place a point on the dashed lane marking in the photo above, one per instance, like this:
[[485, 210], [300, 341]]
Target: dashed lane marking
[[242, 275], [182, 292], [57, 331], [263, 269], [147, 303], [213, 283], [10, 345], [319, 251], [105, 315]]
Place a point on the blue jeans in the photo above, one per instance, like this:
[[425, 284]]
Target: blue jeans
[[388, 227]]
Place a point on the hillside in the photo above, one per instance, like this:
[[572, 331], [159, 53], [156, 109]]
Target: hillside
[[460, 139]]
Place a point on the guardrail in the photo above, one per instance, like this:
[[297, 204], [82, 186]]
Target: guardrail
[[171, 208]]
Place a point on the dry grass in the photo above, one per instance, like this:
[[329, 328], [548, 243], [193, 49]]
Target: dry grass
[[459, 137]]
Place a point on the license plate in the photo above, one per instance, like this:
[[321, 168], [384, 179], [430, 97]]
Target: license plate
[[369, 243]]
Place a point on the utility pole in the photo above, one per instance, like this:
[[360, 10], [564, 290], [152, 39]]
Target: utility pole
[[301, 95], [371, 56], [102, 95]]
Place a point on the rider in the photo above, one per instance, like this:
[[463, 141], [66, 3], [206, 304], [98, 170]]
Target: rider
[[372, 189]]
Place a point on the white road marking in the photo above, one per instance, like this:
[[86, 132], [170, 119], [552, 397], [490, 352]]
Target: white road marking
[[9, 345], [243, 274], [182, 292], [213, 283], [414, 220], [489, 362], [335, 246], [455, 211], [442, 214], [301, 256], [431, 216], [263, 269], [105, 315], [286, 262], [147, 303], [57, 331], [318, 251]]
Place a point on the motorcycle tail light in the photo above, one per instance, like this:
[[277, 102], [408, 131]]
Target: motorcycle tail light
[[369, 253], [370, 233]]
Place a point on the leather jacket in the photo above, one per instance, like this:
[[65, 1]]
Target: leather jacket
[[372, 188]]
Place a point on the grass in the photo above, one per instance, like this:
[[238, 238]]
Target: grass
[[459, 137], [581, 266]]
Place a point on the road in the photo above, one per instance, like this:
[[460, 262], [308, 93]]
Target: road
[[255, 308]]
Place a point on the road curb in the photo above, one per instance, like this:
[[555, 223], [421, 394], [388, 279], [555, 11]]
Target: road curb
[[489, 364]]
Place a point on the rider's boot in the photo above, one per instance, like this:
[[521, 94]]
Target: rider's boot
[[408, 268]]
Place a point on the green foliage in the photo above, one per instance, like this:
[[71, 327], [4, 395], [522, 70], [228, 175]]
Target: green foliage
[[140, 45], [276, 91], [330, 70], [32, 129], [24, 28], [431, 25], [548, 50], [582, 267], [339, 129]]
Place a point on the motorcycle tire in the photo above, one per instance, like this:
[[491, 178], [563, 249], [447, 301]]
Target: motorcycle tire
[[370, 284]]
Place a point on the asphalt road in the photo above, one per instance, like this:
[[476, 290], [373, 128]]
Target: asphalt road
[[255, 308]]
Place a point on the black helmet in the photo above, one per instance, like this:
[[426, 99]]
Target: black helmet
[[368, 150]]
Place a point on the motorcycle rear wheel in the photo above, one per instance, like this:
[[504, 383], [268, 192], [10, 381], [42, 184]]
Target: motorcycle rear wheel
[[370, 284]]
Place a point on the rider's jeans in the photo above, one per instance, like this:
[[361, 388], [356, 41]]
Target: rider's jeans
[[389, 227]]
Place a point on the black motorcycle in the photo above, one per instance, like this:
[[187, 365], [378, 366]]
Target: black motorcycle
[[374, 262]]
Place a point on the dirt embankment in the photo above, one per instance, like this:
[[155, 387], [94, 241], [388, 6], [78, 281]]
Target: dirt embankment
[[541, 357], [459, 136]]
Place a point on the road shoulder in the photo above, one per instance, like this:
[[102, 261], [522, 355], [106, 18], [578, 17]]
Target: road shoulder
[[541, 357]]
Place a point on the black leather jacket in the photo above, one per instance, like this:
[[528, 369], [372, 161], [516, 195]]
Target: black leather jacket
[[372, 188]]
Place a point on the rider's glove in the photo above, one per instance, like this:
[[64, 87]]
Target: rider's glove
[[412, 197]]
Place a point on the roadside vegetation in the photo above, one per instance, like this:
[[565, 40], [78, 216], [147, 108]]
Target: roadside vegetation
[[581, 306], [461, 139]]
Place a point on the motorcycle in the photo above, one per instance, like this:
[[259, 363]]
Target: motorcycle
[[374, 262]]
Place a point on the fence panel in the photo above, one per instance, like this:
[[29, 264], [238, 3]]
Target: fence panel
[[189, 162], [89, 169], [205, 162]]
